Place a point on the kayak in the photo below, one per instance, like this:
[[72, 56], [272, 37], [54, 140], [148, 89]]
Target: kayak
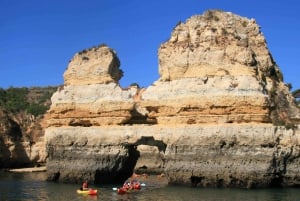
[[88, 192], [137, 186], [123, 190], [129, 187]]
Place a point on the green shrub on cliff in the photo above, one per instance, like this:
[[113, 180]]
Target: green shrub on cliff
[[14, 99], [37, 109], [35, 100], [2, 97]]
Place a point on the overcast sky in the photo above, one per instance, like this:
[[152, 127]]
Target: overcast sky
[[39, 37]]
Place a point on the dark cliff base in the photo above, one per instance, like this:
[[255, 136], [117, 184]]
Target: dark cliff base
[[237, 156]]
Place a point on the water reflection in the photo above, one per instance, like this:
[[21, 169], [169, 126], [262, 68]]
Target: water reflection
[[32, 186]]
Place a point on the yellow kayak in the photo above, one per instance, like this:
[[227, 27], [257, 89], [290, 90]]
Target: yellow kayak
[[88, 192]]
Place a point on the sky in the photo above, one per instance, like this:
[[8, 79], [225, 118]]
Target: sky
[[39, 37]]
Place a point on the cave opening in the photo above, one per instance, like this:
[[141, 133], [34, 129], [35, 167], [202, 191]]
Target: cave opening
[[151, 156], [149, 159], [122, 170]]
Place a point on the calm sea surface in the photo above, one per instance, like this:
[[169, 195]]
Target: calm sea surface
[[32, 186]]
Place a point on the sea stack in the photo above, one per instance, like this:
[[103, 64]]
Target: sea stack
[[220, 114]]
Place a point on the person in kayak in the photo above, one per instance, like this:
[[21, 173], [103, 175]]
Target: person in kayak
[[84, 186], [127, 186]]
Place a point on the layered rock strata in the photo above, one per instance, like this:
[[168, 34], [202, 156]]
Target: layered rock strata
[[247, 155], [208, 121]]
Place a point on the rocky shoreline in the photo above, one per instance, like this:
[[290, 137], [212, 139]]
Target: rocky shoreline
[[31, 169]]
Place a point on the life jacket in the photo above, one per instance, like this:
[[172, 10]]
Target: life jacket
[[85, 185]]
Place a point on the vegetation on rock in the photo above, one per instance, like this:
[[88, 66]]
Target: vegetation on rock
[[35, 100], [21, 131]]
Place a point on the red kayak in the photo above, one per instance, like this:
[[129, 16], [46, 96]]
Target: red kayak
[[137, 186], [129, 187], [121, 190], [124, 190]]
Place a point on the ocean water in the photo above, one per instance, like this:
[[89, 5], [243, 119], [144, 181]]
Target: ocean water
[[32, 186]]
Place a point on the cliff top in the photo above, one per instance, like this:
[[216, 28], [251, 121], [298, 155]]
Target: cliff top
[[96, 65], [216, 41], [215, 68]]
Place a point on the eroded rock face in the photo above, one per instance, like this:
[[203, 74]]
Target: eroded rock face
[[94, 66], [93, 104], [91, 95], [223, 99], [19, 147], [208, 120], [242, 155], [215, 44], [216, 68]]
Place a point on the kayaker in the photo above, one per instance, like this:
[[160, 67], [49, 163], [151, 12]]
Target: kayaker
[[135, 184], [84, 186]]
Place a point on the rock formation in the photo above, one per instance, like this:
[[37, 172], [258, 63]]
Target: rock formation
[[22, 126], [220, 114], [90, 72], [221, 59], [19, 147]]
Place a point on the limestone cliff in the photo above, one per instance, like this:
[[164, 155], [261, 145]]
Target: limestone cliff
[[22, 126], [215, 117], [217, 68], [91, 95], [85, 68], [20, 147]]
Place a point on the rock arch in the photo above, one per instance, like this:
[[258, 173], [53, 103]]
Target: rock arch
[[147, 155]]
